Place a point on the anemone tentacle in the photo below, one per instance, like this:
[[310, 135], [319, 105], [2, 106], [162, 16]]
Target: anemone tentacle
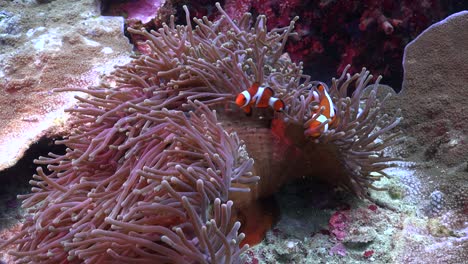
[[160, 158]]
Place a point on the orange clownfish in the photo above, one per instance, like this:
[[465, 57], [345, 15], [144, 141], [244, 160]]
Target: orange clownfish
[[260, 97], [318, 126]]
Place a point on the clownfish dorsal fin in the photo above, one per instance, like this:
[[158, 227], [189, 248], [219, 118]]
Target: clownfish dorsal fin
[[270, 90], [265, 93], [253, 88]]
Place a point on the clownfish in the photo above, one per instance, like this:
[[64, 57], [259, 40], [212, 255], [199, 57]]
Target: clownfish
[[318, 126], [260, 97]]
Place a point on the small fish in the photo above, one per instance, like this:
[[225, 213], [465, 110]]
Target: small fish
[[260, 97], [318, 126]]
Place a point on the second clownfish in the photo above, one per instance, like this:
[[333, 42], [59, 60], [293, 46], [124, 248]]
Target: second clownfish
[[318, 126], [260, 97]]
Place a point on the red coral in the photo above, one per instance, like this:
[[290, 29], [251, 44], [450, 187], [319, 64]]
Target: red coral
[[371, 32], [368, 253], [373, 207], [251, 256], [237, 8]]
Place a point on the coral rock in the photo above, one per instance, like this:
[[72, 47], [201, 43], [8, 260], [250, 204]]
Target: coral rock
[[433, 98], [54, 45]]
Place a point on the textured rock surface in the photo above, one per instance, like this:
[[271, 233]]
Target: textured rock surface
[[435, 108], [435, 90], [44, 46]]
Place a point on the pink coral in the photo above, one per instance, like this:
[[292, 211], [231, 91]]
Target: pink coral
[[368, 253], [142, 10], [338, 223], [338, 249]]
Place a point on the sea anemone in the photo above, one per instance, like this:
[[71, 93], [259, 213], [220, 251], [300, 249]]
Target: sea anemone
[[159, 150], [350, 152], [160, 195]]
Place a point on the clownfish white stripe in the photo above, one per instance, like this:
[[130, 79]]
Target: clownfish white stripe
[[332, 109], [272, 101], [359, 112], [258, 95], [324, 112], [247, 98], [322, 119], [316, 96]]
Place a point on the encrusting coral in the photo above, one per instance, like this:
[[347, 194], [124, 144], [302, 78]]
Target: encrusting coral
[[158, 152]]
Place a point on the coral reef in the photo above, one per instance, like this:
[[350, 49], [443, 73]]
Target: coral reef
[[333, 232], [371, 33], [42, 47], [428, 191], [432, 112], [435, 130], [142, 10], [333, 34], [158, 150], [437, 138]]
